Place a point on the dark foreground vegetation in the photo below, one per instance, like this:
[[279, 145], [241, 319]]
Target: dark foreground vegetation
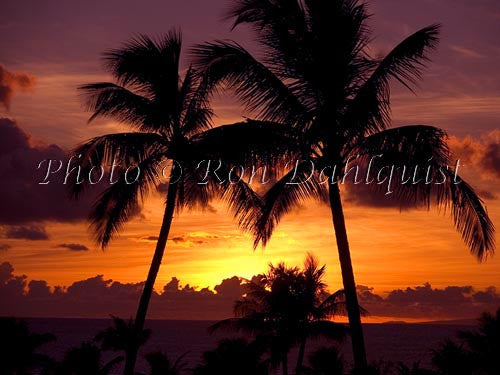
[[281, 310]]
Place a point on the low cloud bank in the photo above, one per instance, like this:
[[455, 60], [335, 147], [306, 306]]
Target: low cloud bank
[[98, 297]]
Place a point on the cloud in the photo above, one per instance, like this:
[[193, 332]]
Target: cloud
[[466, 52], [425, 302], [31, 233], [150, 238], [491, 159], [98, 297], [73, 246], [24, 201], [371, 196], [4, 247], [6, 272], [480, 160], [11, 82], [194, 238]]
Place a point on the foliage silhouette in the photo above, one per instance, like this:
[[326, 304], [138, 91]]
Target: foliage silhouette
[[85, 359], [19, 348], [476, 352], [325, 361], [233, 356], [160, 364], [317, 79], [121, 335], [284, 308], [171, 120]]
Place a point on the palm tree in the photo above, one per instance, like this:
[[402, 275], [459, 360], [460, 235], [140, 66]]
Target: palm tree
[[284, 308], [19, 348], [476, 351], [171, 120], [452, 358], [122, 335], [85, 359], [317, 78], [318, 308], [326, 361], [484, 343], [233, 356], [160, 364]]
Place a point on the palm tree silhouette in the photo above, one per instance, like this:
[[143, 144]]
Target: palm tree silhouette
[[476, 352], [19, 348], [284, 308], [484, 343], [318, 308], [326, 361], [233, 356], [171, 118], [317, 78], [160, 364], [85, 359], [121, 336]]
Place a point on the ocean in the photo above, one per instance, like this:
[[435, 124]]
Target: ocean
[[406, 343]]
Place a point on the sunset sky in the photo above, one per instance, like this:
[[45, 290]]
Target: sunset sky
[[49, 48]]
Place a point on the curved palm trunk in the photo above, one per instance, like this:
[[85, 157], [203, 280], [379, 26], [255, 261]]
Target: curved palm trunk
[[358, 343], [131, 355], [300, 359]]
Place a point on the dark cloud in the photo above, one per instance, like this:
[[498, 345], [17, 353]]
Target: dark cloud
[[195, 238], [480, 162], [373, 196], [480, 155], [485, 194], [73, 246], [150, 238], [491, 159], [23, 199], [425, 302], [4, 247], [99, 297], [11, 82], [31, 233], [6, 272]]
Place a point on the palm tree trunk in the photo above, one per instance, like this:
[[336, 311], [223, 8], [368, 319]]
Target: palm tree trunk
[[300, 359], [358, 344], [131, 355], [284, 364]]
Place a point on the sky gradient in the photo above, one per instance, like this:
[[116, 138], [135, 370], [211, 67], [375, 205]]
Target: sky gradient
[[54, 47]]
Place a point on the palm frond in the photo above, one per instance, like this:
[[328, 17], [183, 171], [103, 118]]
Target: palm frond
[[121, 201], [106, 99], [109, 366], [147, 63], [286, 194], [117, 149], [243, 202], [418, 146], [333, 305], [262, 92], [328, 329], [369, 111], [249, 143], [469, 215], [196, 113], [251, 325]]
